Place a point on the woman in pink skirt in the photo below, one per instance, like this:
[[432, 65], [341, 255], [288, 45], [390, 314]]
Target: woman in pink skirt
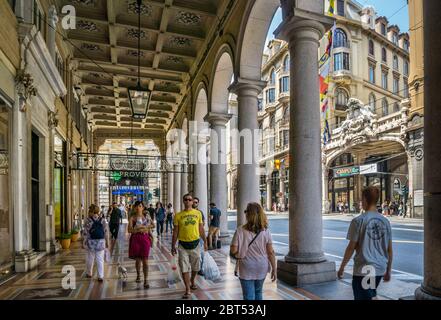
[[140, 240]]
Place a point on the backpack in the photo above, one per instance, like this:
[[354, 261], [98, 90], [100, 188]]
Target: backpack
[[97, 230]]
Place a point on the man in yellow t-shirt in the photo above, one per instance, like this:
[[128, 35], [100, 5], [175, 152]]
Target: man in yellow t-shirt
[[188, 228]]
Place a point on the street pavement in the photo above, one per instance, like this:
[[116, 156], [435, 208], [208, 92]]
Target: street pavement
[[407, 238]]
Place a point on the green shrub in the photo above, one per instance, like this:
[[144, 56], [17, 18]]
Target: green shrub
[[75, 231], [65, 236]]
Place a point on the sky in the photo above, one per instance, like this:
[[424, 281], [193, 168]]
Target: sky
[[396, 11]]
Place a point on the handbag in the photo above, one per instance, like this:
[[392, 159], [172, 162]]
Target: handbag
[[236, 268]]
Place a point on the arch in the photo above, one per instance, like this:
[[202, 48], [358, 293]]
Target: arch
[[383, 54], [286, 63], [342, 97], [252, 37], [384, 107], [222, 77], [340, 39]]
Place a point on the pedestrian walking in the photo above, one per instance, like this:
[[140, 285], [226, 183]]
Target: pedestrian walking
[[214, 226], [188, 229], [169, 218], [115, 220], [151, 211], [140, 242], [252, 247], [95, 241], [160, 218], [370, 236], [202, 240]]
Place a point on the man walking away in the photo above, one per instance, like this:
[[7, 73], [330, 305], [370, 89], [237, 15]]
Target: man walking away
[[151, 211], [370, 236], [213, 230], [188, 229], [115, 220]]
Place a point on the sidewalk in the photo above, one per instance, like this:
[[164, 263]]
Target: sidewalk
[[45, 281]]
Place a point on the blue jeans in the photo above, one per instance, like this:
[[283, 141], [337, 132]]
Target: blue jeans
[[364, 294], [252, 289], [201, 244], [168, 222]]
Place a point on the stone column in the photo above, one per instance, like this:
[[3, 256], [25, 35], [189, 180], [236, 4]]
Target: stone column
[[184, 174], [431, 286], [269, 194], [282, 189], [51, 32], [248, 172], [200, 174], [177, 196], [218, 167], [305, 262], [170, 190]]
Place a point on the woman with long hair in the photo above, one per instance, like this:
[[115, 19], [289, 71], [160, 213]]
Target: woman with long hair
[[96, 240], [140, 240], [253, 249]]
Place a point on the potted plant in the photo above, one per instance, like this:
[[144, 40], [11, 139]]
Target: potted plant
[[65, 240], [75, 234]]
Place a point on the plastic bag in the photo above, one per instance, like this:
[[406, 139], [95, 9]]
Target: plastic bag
[[210, 269], [107, 256], [173, 276]]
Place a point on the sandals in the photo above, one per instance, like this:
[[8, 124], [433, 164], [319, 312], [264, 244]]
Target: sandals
[[146, 285], [186, 295], [193, 287]]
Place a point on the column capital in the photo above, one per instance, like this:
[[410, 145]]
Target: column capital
[[313, 24], [248, 87], [220, 119]]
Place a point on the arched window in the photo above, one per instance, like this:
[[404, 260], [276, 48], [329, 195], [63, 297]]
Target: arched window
[[273, 77], [340, 39], [395, 62], [372, 102], [383, 55], [396, 107], [371, 48], [286, 63], [385, 107], [342, 99]]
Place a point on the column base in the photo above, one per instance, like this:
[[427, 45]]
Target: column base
[[298, 274], [26, 260], [54, 247], [421, 294]]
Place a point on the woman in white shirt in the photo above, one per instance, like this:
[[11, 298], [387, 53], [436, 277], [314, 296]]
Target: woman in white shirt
[[253, 249]]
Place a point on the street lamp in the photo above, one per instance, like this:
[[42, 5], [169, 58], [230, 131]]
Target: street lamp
[[139, 97]]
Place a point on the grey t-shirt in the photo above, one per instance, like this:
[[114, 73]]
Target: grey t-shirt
[[372, 231]]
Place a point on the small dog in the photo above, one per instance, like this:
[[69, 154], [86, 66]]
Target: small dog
[[122, 272]]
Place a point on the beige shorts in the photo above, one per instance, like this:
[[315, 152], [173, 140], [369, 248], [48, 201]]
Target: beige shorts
[[213, 230], [189, 260]]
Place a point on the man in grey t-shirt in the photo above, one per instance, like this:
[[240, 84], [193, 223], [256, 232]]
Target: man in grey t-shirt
[[370, 236]]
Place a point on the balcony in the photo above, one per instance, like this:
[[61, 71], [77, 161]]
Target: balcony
[[271, 107], [342, 76], [284, 97]]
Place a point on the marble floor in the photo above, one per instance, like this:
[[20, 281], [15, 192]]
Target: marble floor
[[45, 282]]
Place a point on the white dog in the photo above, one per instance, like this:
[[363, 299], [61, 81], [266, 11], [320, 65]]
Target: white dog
[[122, 272]]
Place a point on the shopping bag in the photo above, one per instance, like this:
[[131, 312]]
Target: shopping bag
[[107, 256], [173, 275], [210, 269]]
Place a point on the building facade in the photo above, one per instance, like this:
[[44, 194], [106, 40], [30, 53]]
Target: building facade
[[369, 63], [41, 127]]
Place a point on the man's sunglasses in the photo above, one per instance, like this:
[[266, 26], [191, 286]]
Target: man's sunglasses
[[187, 199]]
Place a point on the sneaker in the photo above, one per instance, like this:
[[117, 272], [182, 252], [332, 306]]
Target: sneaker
[[100, 279], [200, 273]]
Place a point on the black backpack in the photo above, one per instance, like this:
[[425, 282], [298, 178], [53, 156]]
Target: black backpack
[[97, 230]]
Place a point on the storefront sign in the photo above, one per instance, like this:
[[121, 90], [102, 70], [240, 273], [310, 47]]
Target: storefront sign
[[418, 198], [118, 175], [346, 172], [368, 168]]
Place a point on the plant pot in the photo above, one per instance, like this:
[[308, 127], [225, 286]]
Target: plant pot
[[65, 243], [75, 237]]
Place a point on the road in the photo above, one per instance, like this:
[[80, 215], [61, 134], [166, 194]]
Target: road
[[407, 242]]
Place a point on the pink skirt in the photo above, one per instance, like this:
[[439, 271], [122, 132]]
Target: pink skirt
[[139, 246]]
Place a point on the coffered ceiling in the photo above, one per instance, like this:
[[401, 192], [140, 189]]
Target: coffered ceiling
[[173, 35]]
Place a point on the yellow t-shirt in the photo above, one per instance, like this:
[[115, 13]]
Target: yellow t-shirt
[[188, 224]]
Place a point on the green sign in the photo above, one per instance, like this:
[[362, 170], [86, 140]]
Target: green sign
[[116, 176], [346, 172]]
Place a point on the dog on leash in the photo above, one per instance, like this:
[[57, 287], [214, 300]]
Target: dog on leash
[[122, 272]]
